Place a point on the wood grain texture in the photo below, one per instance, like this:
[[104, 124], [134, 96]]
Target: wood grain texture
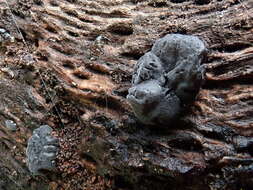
[[82, 55]]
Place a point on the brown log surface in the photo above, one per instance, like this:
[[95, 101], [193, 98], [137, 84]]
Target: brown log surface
[[73, 73]]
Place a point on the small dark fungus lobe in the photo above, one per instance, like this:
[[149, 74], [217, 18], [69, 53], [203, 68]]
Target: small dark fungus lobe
[[167, 78], [41, 150]]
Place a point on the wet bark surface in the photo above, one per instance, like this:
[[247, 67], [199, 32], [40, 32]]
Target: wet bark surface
[[70, 66]]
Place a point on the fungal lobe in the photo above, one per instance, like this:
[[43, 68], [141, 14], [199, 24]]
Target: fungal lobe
[[167, 78]]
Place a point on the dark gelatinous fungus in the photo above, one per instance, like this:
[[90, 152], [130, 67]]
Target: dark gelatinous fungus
[[41, 150], [167, 78]]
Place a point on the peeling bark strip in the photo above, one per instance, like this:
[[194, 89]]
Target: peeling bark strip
[[85, 52]]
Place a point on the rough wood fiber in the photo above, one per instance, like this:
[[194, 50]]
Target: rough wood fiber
[[85, 51]]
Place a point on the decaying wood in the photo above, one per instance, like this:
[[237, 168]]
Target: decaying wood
[[73, 74]]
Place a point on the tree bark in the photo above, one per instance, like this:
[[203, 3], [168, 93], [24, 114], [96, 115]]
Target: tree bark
[[70, 67]]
